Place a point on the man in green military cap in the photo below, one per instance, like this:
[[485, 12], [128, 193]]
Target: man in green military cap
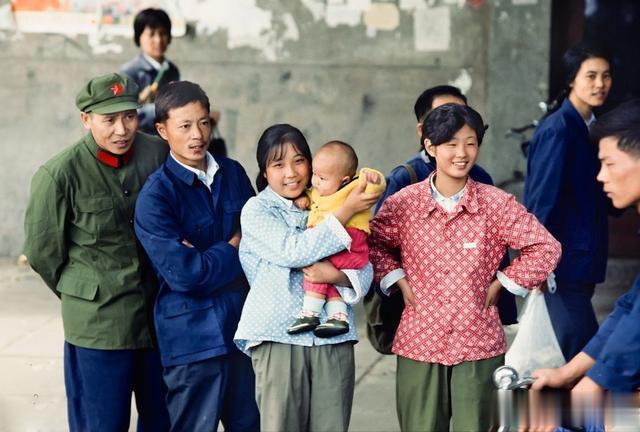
[[80, 240]]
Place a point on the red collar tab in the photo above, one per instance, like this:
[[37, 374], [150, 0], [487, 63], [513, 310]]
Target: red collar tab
[[115, 161]]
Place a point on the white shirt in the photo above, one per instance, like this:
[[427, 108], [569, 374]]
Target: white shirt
[[206, 177], [286, 201], [448, 204], [156, 65]]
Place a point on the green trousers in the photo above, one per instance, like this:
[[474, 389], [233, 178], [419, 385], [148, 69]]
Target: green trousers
[[300, 388], [433, 397]]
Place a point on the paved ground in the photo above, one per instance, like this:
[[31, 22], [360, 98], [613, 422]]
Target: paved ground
[[31, 380]]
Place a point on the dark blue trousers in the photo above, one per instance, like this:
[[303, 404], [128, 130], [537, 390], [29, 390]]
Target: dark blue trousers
[[203, 393], [507, 308], [572, 316], [99, 384]]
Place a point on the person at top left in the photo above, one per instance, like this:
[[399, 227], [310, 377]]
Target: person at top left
[[150, 69]]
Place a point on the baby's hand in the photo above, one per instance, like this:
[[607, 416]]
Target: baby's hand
[[359, 200], [302, 202], [372, 177]]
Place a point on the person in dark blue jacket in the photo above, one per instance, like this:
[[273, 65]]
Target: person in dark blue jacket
[[188, 220], [150, 69], [420, 166], [562, 192], [611, 359], [402, 175]]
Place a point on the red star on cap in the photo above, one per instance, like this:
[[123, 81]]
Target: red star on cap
[[117, 89]]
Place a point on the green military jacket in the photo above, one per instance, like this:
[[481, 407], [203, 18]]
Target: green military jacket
[[79, 238]]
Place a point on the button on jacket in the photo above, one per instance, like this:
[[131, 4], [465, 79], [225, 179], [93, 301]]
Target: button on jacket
[[202, 288], [449, 260], [80, 239]]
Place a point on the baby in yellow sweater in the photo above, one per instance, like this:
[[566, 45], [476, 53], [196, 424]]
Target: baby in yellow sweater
[[334, 177]]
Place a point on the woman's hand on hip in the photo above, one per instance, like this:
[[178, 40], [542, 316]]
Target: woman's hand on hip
[[407, 294], [493, 294]]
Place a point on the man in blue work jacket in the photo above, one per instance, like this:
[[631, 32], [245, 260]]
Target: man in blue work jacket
[[611, 359], [188, 221]]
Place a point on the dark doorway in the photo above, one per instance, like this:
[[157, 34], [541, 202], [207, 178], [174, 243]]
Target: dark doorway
[[567, 29], [615, 25]]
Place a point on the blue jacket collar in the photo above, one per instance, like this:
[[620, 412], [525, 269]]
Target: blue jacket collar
[[184, 174], [143, 63], [568, 108]]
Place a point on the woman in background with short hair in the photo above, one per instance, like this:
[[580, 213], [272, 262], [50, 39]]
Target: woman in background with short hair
[[562, 192]]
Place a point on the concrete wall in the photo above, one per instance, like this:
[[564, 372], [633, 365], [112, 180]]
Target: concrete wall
[[346, 69], [517, 81]]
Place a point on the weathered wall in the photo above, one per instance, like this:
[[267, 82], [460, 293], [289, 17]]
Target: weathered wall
[[517, 80], [337, 69]]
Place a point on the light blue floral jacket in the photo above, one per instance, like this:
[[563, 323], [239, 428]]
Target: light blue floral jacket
[[275, 245]]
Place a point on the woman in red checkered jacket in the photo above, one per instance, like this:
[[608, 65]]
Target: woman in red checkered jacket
[[440, 242]]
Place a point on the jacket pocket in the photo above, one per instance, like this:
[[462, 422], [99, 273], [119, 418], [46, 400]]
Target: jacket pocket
[[188, 326], [80, 288], [185, 305], [95, 215]]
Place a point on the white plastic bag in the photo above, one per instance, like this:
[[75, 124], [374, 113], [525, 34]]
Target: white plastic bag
[[535, 345]]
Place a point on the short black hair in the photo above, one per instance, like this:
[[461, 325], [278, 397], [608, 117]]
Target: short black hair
[[177, 94], [271, 146], [425, 100], [576, 55], [622, 123], [152, 18], [351, 159], [442, 123]]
